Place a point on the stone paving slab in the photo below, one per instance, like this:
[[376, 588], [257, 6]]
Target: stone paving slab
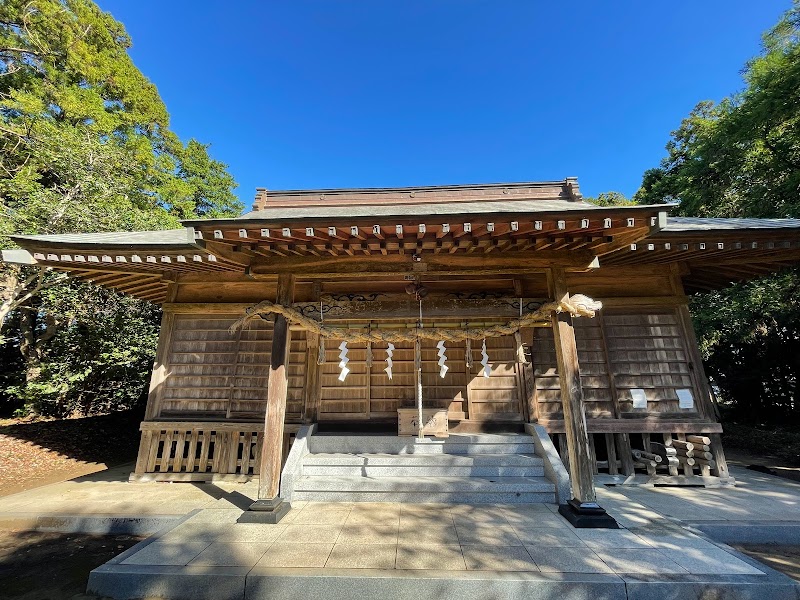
[[205, 515], [416, 585], [655, 558]]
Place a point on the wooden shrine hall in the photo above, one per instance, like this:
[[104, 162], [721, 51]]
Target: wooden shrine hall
[[495, 306]]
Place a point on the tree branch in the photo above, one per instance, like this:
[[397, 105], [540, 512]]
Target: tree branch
[[21, 51]]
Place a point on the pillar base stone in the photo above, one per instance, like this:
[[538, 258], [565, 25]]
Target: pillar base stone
[[270, 510], [586, 515]]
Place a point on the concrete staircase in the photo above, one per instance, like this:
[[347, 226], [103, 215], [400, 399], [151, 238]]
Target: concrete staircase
[[469, 469]]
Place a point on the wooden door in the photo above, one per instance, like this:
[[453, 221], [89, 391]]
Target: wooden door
[[497, 397], [348, 399], [448, 392], [387, 395], [368, 393]]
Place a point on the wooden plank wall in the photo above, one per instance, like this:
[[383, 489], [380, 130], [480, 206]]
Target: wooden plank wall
[[597, 392], [348, 399], [296, 369], [214, 373], [647, 350], [387, 395], [497, 396], [451, 391], [644, 349]]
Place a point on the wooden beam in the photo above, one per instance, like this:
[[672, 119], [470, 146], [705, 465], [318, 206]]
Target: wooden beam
[[637, 426], [580, 467], [312, 390], [721, 469], [211, 425], [343, 266], [272, 445], [644, 301], [232, 308], [435, 307]]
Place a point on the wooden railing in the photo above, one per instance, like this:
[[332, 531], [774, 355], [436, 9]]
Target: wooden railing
[[202, 451]]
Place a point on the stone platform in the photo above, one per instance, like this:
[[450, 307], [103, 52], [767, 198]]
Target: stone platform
[[360, 550], [760, 509]]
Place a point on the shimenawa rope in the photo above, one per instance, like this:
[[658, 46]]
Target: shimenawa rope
[[577, 306]]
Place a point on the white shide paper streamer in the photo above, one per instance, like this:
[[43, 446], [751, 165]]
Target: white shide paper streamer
[[443, 368], [343, 361]]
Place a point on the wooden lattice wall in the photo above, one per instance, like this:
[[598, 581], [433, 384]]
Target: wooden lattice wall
[[213, 373], [644, 349]]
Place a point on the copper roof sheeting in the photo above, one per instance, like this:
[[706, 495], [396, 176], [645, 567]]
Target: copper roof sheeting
[[133, 239], [704, 224], [320, 223], [566, 189]]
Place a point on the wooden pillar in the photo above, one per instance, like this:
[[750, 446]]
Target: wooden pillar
[[315, 345], [418, 386], [611, 449], [526, 380], [624, 451], [704, 403], [580, 468], [312, 387], [269, 471], [721, 470], [160, 367]]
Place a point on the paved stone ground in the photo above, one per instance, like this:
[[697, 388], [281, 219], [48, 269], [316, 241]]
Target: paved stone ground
[[344, 551], [362, 544], [532, 538], [756, 497], [109, 493]]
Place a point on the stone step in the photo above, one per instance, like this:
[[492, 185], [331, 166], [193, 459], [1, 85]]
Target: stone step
[[512, 485], [455, 444], [434, 460], [428, 497], [431, 465]]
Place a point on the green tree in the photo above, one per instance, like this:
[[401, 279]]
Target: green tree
[[85, 146], [610, 199], [741, 158]]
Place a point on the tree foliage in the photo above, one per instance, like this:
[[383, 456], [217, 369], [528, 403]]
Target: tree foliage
[[85, 146], [610, 199], [751, 347], [100, 358], [741, 158]]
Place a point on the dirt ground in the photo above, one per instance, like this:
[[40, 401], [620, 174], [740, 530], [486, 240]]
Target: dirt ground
[[785, 559], [35, 453], [53, 566]]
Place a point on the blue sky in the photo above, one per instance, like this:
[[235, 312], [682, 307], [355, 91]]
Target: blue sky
[[373, 93]]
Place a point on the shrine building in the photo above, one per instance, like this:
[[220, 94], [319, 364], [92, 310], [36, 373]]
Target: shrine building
[[342, 315]]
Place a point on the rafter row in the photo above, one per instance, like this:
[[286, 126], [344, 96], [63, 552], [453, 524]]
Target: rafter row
[[661, 252], [513, 229]]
